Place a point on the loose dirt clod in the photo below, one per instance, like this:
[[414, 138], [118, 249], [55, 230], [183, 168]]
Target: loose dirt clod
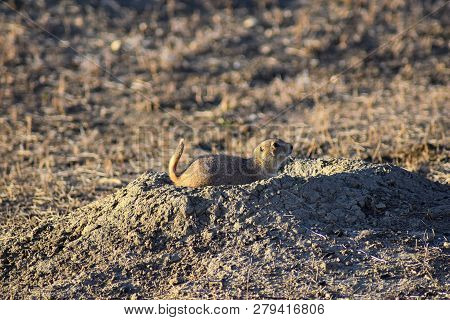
[[321, 229]]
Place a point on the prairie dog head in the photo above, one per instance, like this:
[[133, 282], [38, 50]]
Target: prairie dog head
[[271, 153]]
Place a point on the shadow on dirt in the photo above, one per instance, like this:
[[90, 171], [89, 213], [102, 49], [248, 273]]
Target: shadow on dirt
[[314, 205]]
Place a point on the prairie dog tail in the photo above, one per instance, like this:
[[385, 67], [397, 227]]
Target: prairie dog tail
[[174, 162]]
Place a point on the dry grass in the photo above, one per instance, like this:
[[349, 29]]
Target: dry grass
[[70, 120]]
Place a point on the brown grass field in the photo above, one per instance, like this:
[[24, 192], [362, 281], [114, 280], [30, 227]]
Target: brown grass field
[[94, 93]]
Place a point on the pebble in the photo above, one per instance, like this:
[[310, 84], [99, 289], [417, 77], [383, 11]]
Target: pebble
[[116, 45], [250, 22]]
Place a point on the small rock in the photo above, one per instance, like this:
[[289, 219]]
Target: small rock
[[250, 22], [78, 22], [143, 26], [116, 45], [363, 234], [380, 206], [174, 257], [265, 49]]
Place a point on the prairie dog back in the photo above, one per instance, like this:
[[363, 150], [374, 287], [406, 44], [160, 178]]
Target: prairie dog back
[[214, 170]]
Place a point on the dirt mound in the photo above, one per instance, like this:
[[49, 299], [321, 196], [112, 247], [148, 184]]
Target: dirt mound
[[324, 229]]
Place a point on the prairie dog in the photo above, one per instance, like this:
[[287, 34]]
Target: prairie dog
[[215, 170]]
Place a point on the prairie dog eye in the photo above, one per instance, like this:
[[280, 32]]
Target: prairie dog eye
[[276, 144]]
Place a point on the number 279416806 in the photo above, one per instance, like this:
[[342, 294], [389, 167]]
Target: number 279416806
[[273, 308]]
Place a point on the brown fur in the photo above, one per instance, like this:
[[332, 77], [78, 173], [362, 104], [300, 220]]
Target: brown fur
[[214, 170]]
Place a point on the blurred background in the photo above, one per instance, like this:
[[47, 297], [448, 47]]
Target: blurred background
[[85, 84]]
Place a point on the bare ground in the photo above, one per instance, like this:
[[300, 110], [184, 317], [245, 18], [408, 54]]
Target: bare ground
[[323, 229], [83, 117]]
